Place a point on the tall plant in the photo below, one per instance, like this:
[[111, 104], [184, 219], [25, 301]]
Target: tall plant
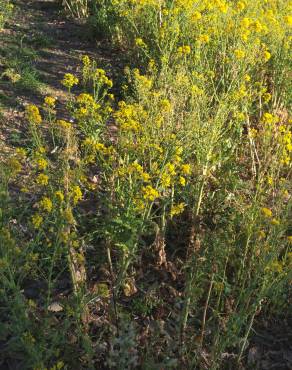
[[77, 8]]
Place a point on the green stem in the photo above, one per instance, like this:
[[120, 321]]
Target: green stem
[[190, 274]]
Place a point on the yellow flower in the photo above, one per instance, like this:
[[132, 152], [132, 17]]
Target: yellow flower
[[239, 54], [240, 6], [257, 26], [261, 234], [182, 181], [101, 77], [210, 73], [64, 124], [185, 50], [41, 150], [247, 78], [143, 81], [42, 179], [204, 38], [42, 164], [165, 105], [165, 180], [37, 220], [288, 20], [196, 90], [76, 194], [170, 168], [270, 180], [85, 99], [177, 209], [140, 42], [266, 55], [145, 177], [14, 165], [50, 101], [21, 153], [240, 116], [59, 195], [196, 16], [266, 97], [60, 365], [82, 112], [222, 6], [289, 238], [46, 204], [149, 193], [244, 35], [275, 266], [86, 60], [69, 80], [275, 222], [241, 93], [64, 236], [186, 169], [267, 212], [269, 118], [245, 22], [68, 216], [33, 114], [140, 204]]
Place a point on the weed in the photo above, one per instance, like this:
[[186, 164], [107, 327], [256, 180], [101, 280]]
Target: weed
[[184, 185]]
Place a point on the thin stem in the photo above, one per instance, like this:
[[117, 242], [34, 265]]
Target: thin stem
[[109, 258], [205, 310], [192, 265]]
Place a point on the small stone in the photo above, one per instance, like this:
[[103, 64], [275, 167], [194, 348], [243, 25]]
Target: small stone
[[55, 307]]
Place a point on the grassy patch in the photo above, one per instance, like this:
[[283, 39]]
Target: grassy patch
[[18, 66]]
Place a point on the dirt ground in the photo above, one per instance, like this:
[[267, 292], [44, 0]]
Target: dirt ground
[[54, 45]]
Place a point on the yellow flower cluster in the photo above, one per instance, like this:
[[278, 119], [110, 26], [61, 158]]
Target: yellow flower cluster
[[50, 102], [177, 209], [76, 194], [59, 195], [100, 76], [14, 165], [42, 179], [96, 76], [69, 80], [184, 50], [127, 117], [269, 118], [139, 42], [136, 169], [46, 204], [142, 80], [33, 114], [149, 193], [87, 108], [239, 54], [37, 220], [63, 124], [267, 212], [42, 164]]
